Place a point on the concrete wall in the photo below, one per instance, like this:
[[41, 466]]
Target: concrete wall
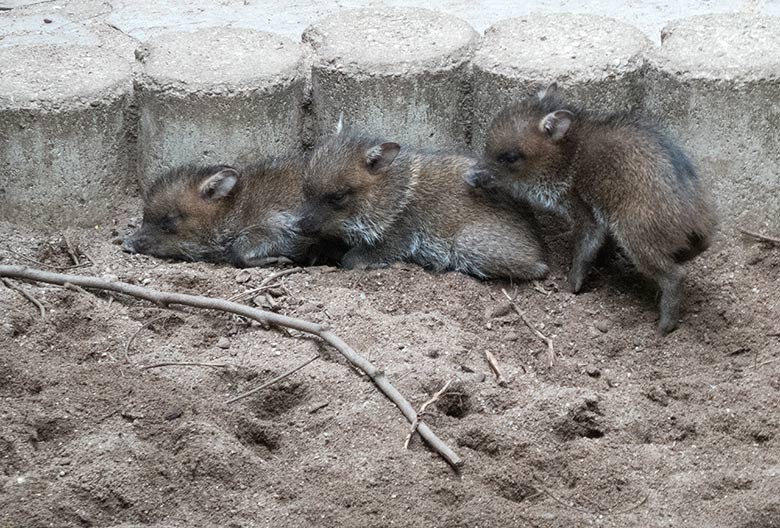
[[228, 95]]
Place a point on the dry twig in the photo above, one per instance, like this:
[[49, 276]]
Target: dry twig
[[759, 236], [71, 251], [265, 284], [269, 383], [547, 340], [197, 301], [491, 359], [11, 286], [147, 323], [421, 412], [184, 364], [601, 510]]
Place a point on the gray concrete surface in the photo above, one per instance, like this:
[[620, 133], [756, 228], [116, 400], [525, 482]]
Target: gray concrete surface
[[716, 82], [596, 60], [142, 19], [219, 96], [402, 75], [66, 134]]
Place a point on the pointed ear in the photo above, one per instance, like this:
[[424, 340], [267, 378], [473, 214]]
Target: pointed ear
[[550, 91], [219, 185], [340, 124], [379, 157], [556, 124]]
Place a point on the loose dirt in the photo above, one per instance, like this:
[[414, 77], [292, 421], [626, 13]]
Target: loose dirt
[[625, 429]]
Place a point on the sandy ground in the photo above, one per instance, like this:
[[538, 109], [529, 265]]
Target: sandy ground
[[626, 429]]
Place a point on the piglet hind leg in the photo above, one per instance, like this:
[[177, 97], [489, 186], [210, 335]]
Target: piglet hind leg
[[590, 237], [670, 283]]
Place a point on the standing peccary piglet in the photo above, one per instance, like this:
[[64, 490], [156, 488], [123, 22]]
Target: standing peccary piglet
[[612, 175], [221, 214], [391, 204]]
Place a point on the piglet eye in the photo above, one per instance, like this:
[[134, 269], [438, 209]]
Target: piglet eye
[[168, 223], [510, 157], [337, 199]]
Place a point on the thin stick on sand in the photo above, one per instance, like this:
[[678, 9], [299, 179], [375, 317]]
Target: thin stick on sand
[[547, 340], [197, 301], [421, 412], [759, 236]]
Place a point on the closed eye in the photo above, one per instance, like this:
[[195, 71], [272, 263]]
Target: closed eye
[[168, 223], [338, 199], [510, 157]]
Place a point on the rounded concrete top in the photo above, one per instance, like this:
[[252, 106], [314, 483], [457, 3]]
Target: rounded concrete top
[[722, 47], [555, 46], [391, 41], [219, 59], [56, 77]]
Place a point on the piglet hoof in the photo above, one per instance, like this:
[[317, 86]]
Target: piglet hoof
[[666, 327], [574, 283]]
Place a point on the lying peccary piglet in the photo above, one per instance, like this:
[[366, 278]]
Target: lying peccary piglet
[[612, 175], [221, 214], [391, 204]]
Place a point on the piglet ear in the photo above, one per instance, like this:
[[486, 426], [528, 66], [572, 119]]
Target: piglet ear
[[380, 157], [219, 185], [556, 124], [550, 91]]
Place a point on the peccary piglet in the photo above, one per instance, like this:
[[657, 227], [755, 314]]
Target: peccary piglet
[[389, 204], [222, 214], [612, 175]]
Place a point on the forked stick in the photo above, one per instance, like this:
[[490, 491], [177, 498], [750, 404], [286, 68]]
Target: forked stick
[[421, 412], [197, 301]]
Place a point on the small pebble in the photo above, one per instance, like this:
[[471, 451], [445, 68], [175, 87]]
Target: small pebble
[[511, 336], [47, 20], [243, 276], [173, 413], [276, 292], [223, 342], [602, 325], [480, 377], [593, 371], [500, 311]]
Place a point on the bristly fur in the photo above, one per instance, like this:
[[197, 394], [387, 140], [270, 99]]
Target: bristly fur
[[615, 175], [254, 220], [413, 206]]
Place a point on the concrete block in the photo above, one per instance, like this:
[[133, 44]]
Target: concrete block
[[716, 81], [66, 134], [218, 96], [598, 61], [398, 72]]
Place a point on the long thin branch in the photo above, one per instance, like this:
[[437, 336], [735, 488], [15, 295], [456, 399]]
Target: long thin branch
[[197, 301], [547, 340], [277, 379]]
